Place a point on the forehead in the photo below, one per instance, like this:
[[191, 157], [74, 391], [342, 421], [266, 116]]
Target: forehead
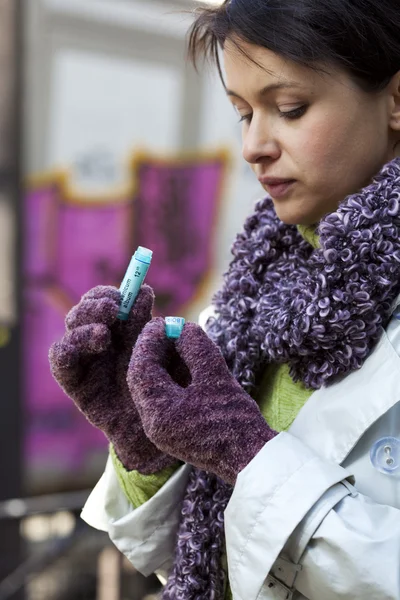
[[248, 65]]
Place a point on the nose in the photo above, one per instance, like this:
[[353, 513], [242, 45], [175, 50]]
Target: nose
[[259, 142]]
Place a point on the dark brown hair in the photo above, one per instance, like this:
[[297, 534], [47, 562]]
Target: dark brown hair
[[360, 36]]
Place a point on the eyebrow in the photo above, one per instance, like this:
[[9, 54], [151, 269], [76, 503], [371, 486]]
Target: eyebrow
[[268, 88]]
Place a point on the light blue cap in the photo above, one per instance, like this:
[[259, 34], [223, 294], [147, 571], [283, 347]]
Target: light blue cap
[[385, 455], [143, 254], [174, 326]]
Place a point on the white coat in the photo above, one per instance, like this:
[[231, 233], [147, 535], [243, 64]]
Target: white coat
[[310, 517]]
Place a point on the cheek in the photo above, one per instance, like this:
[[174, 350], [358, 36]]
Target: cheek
[[333, 150], [340, 156], [322, 146]]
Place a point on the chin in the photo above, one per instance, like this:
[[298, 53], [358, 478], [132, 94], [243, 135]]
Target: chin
[[293, 217], [294, 214]]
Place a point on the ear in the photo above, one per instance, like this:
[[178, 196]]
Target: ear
[[394, 102]]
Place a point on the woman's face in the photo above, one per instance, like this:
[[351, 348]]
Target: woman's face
[[322, 131]]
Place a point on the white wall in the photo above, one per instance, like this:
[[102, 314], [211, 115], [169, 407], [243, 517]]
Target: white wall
[[102, 105]]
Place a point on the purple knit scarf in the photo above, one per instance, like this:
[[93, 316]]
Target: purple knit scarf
[[320, 311]]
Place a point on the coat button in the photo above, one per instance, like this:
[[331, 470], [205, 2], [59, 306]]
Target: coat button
[[385, 455]]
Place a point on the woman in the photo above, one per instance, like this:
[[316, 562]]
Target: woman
[[274, 446]]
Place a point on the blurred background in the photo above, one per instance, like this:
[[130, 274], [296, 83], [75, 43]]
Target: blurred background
[[108, 140]]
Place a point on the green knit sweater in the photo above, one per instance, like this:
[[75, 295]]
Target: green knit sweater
[[279, 399]]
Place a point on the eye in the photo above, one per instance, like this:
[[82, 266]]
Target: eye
[[294, 114], [245, 118]]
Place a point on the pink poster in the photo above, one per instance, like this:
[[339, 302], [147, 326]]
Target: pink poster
[[71, 246]]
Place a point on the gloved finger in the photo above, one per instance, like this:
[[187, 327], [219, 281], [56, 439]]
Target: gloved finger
[[67, 355], [140, 314], [93, 310], [202, 357], [148, 373], [103, 291]]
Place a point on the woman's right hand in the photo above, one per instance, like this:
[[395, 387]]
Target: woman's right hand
[[90, 364]]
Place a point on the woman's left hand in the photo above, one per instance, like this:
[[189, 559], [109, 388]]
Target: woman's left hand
[[209, 421]]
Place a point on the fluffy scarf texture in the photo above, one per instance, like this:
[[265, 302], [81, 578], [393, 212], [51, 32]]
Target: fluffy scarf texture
[[319, 310]]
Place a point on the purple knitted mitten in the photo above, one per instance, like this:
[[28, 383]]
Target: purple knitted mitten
[[211, 423], [90, 364]]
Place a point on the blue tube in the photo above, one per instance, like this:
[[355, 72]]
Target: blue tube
[[174, 326], [133, 279]]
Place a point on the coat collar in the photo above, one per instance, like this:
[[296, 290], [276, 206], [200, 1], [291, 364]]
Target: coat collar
[[336, 416]]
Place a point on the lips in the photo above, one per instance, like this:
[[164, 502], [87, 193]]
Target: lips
[[274, 180], [277, 188]]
